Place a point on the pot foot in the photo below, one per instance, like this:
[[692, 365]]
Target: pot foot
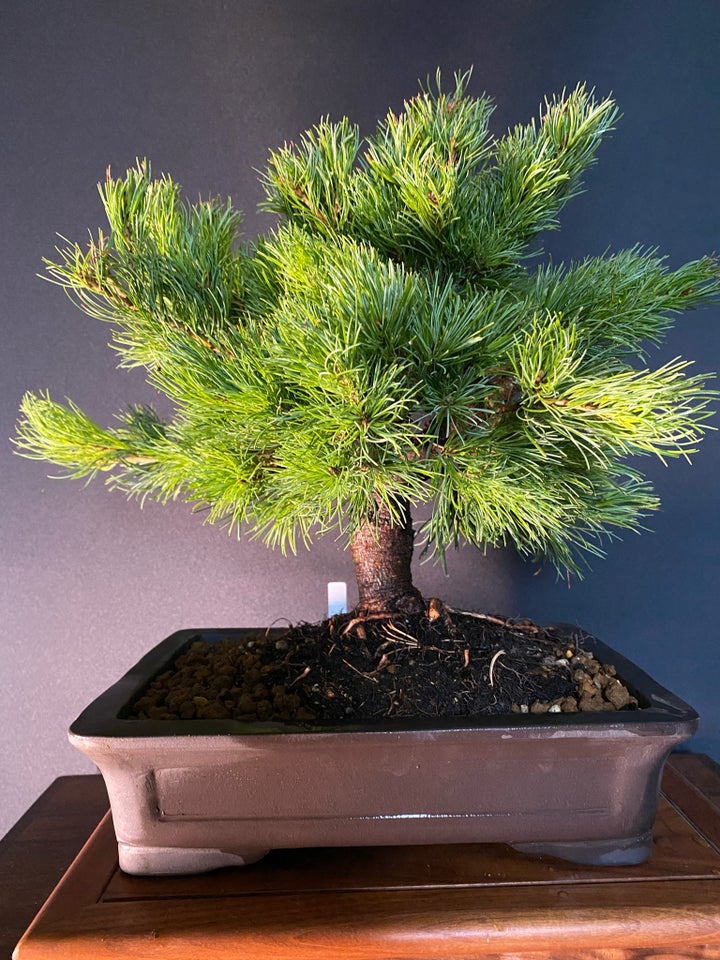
[[163, 861], [624, 852]]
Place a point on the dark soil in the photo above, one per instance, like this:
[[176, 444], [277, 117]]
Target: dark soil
[[349, 671]]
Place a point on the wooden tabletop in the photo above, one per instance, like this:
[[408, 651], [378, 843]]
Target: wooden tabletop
[[38, 850], [404, 903]]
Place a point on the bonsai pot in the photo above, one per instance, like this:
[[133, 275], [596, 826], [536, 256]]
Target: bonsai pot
[[193, 795]]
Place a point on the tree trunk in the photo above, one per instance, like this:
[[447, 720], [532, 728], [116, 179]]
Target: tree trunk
[[382, 554]]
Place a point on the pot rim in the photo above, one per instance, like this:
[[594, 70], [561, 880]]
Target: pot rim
[[103, 717]]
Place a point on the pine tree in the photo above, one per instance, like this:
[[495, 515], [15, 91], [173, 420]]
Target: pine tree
[[396, 340]]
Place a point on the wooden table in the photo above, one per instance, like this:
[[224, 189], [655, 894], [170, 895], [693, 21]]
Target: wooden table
[[410, 903]]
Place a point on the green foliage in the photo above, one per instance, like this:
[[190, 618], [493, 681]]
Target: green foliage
[[388, 341]]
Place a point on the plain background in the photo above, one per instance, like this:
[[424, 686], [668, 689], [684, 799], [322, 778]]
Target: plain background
[[204, 88]]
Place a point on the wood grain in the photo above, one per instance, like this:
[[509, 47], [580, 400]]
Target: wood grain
[[37, 851], [692, 783], [410, 903]]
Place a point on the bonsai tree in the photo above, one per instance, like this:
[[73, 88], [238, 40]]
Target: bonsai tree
[[394, 341]]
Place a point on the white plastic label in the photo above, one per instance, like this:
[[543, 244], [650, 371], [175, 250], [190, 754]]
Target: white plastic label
[[337, 598]]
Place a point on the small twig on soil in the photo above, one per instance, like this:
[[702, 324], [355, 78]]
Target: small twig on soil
[[366, 676], [384, 661], [300, 676], [492, 665]]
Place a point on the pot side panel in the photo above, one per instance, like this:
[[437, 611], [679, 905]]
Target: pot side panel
[[476, 786]]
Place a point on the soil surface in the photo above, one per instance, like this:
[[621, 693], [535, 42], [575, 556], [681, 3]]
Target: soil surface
[[349, 671]]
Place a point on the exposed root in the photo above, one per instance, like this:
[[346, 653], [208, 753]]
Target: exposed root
[[507, 624], [357, 622], [397, 635], [494, 660], [435, 610]]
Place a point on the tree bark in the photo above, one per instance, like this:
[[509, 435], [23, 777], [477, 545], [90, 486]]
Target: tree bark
[[382, 553]]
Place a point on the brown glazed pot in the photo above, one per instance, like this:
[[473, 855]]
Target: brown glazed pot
[[193, 795]]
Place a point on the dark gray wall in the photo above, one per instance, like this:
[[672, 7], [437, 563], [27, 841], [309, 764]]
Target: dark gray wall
[[204, 88]]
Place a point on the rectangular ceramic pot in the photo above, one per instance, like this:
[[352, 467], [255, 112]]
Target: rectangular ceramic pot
[[193, 795]]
